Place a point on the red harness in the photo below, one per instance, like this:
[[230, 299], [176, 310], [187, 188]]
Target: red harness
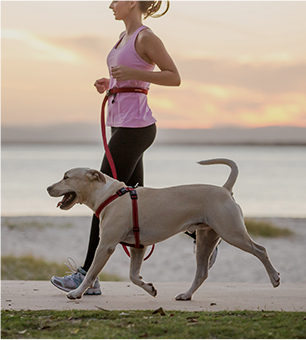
[[109, 157], [133, 195]]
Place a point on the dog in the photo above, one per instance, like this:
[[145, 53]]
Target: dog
[[209, 210]]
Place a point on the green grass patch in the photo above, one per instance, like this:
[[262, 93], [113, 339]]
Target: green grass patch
[[31, 268], [145, 324], [266, 229]]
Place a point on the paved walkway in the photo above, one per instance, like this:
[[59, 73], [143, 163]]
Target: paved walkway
[[41, 295]]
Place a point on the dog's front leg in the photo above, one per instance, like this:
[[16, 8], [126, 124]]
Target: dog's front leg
[[102, 255], [137, 256]]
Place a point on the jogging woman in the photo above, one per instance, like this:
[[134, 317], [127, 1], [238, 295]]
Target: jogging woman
[[131, 63]]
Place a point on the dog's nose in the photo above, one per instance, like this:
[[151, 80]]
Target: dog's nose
[[49, 189]]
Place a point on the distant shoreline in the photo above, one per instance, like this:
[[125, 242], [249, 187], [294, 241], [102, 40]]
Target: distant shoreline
[[68, 134], [302, 144]]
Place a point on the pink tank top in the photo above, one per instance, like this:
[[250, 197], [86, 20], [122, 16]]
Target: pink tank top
[[129, 109]]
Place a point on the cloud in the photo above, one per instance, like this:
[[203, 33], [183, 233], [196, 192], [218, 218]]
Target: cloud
[[33, 46], [56, 74], [199, 105], [270, 77], [89, 47]]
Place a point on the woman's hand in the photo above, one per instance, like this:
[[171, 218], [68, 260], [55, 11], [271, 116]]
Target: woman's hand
[[122, 72], [102, 85]]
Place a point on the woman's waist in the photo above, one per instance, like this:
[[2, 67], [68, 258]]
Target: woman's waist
[[129, 83]]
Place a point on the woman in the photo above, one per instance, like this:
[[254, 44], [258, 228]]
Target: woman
[[131, 64]]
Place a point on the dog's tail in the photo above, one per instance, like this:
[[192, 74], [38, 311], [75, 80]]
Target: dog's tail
[[229, 184]]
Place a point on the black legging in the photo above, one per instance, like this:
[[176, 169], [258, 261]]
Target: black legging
[[127, 146]]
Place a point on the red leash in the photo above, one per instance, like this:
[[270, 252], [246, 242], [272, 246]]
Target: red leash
[[108, 94], [113, 92]]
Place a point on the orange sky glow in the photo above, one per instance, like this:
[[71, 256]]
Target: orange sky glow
[[241, 63]]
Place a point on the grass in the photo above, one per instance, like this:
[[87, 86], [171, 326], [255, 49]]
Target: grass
[[22, 225], [145, 324], [31, 268], [266, 229]]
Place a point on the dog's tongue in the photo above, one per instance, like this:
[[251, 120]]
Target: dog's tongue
[[60, 203]]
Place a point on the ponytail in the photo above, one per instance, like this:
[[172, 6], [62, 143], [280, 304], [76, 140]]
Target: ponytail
[[149, 8]]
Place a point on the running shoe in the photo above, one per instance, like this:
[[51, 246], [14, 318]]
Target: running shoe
[[72, 281]]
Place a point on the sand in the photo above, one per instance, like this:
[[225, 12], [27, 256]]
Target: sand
[[236, 281]]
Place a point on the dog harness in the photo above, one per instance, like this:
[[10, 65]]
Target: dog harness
[[134, 197], [113, 92]]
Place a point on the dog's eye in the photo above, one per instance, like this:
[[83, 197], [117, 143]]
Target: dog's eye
[[65, 177]]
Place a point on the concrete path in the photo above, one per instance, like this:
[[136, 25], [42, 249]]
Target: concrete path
[[42, 295]]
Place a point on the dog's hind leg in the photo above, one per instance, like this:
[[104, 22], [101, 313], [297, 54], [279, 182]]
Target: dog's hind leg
[[206, 243], [235, 233], [137, 256]]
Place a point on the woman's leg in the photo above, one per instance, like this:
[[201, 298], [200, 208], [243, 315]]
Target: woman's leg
[[127, 146]]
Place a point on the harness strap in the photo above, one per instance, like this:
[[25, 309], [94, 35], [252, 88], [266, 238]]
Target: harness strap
[[118, 193], [134, 197], [125, 245]]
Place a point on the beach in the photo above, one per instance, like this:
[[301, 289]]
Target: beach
[[55, 238]]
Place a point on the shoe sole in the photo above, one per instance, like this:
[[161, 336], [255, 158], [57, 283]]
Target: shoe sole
[[89, 291]]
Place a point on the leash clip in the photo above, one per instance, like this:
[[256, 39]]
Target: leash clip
[[133, 194], [110, 93]]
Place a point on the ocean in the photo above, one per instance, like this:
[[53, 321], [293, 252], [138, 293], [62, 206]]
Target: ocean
[[271, 181]]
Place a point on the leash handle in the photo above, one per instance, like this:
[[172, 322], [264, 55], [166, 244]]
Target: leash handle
[[106, 148]]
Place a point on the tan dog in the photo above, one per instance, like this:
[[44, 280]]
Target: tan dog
[[208, 209]]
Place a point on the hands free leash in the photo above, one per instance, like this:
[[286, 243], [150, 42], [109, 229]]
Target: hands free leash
[[113, 92]]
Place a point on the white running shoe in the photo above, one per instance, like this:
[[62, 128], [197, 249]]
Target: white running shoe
[[72, 281]]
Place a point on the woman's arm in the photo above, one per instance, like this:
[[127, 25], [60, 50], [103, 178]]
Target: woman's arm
[[151, 49]]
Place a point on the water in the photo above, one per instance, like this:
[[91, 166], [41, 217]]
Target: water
[[271, 181]]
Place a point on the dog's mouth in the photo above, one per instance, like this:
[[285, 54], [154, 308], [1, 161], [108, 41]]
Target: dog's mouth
[[67, 200]]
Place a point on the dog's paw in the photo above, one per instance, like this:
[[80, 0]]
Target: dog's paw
[[73, 295], [154, 290], [183, 297], [275, 280], [149, 287]]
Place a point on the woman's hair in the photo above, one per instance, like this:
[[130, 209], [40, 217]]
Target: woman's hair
[[149, 8]]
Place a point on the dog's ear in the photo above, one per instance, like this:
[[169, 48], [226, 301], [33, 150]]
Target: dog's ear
[[95, 175]]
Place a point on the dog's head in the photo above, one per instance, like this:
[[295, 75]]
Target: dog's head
[[75, 187]]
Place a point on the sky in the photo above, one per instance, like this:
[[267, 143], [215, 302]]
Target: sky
[[242, 64]]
